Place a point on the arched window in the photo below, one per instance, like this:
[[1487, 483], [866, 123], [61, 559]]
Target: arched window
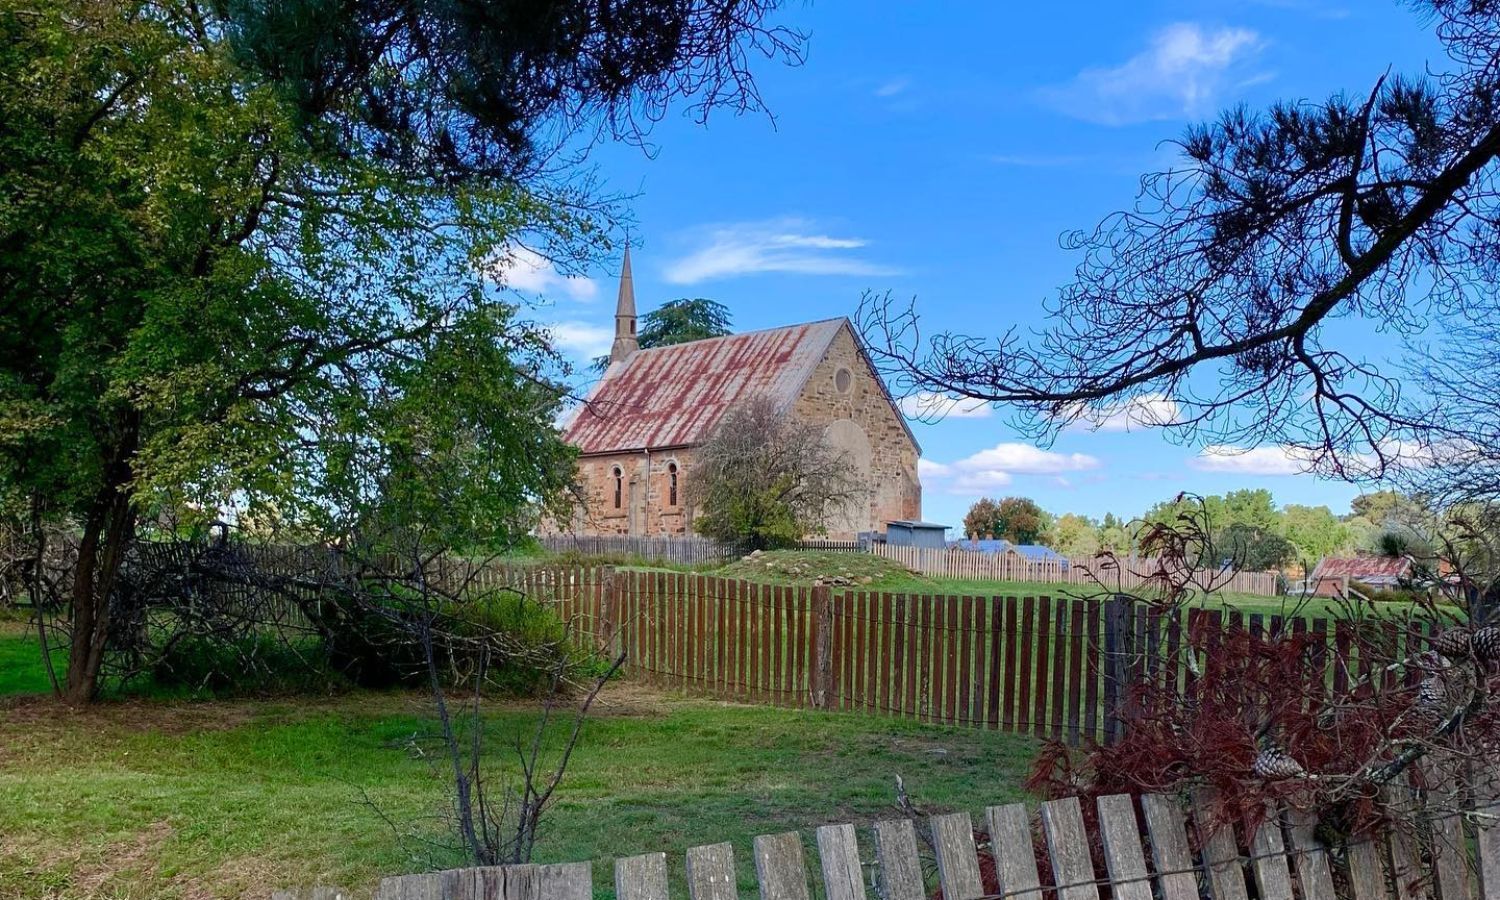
[[671, 484], [619, 487]]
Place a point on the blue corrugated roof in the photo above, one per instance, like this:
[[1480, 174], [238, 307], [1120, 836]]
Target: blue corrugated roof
[[1037, 551], [1030, 551], [985, 545]]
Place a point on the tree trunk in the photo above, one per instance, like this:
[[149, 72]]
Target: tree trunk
[[107, 531]]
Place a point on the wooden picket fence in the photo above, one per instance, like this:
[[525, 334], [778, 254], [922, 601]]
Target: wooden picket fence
[[1129, 849], [1097, 572], [681, 549], [689, 549], [1048, 666]]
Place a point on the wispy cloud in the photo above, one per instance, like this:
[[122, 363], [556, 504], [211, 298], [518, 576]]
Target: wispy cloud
[[581, 340], [893, 87], [1182, 73], [1135, 414], [783, 245], [1273, 460], [997, 467], [929, 407], [525, 270], [1281, 459]]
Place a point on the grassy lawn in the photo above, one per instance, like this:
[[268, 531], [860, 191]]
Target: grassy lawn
[[147, 798], [876, 573]]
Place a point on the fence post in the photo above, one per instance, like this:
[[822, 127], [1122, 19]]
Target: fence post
[[606, 629], [821, 682], [1117, 634]]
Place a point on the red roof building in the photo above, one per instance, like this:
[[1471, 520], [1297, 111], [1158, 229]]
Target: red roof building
[[637, 430], [1333, 575]]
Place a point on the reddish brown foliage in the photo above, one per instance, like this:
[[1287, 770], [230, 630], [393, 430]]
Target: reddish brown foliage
[[1255, 694]]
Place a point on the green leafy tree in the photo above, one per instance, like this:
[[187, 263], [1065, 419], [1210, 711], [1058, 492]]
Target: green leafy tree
[[677, 322], [1253, 507], [1074, 535], [1315, 531], [764, 479], [1257, 549], [680, 321], [983, 520], [1115, 536], [1016, 519], [242, 260]]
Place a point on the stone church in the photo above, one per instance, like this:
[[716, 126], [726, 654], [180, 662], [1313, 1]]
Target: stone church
[[643, 421]]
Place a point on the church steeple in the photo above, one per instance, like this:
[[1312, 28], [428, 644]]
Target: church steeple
[[625, 340]]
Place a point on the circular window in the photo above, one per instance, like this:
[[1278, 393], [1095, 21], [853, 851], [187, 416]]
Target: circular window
[[843, 379]]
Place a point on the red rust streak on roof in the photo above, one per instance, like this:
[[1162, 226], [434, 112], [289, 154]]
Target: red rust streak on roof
[[674, 396]]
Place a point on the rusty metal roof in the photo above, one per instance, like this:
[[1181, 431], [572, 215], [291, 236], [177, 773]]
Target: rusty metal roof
[[1360, 568], [674, 396]]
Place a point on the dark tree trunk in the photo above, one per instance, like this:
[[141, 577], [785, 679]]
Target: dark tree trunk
[[107, 530]]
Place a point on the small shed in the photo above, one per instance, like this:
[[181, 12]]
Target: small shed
[[1333, 574], [909, 533]]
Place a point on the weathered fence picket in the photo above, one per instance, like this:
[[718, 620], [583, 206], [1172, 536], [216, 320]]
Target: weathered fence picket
[[710, 873], [898, 868], [1015, 857], [957, 861], [1216, 870], [1060, 668]]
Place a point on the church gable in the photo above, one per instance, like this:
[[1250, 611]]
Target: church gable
[[848, 399]]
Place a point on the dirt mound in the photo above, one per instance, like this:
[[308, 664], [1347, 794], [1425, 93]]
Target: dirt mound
[[812, 567]]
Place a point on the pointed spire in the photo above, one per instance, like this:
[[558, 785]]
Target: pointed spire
[[625, 340]]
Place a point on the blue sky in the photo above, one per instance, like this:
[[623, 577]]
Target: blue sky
[[938, 151]]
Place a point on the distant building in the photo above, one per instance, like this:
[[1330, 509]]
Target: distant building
[[907, 533], [639, 429], [1333, 575], [1031, 552]]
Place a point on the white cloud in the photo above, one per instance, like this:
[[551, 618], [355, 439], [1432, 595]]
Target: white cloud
[[974, 482], [527, 271], [1280, 459], [1274, 460], [786, 245], [584, 340], [893, 87], [1024, 459], [1181, 73], [928, 407], [926, 468], [997, 467], [1137, 413]]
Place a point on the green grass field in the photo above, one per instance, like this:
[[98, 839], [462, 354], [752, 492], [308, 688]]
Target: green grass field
[[146, 798], [801, 567]]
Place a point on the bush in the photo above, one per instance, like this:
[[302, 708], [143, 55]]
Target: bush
[[379, 648], [256, 665]]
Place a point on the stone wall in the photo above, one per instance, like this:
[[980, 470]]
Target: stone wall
[[844, 395], [646, 506]]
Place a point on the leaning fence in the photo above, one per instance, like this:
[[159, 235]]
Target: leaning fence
[[1066, 849]]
